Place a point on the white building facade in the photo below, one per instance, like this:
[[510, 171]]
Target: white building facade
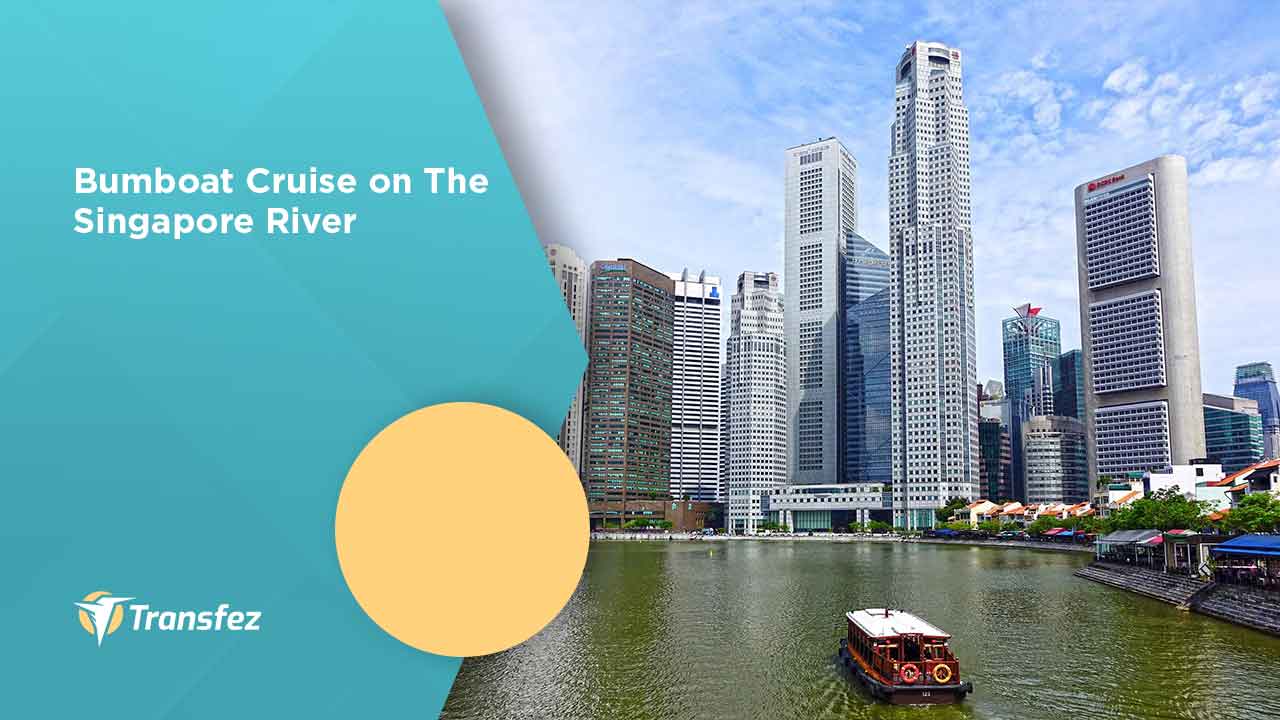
[[695, 387], [571, 274], [755, 432], [1138, 319], [932, 323], [821, 212]]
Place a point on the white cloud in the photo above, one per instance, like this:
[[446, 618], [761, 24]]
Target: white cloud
[[1231, 170], [658, 132], [1127, 79], [1028, 88]]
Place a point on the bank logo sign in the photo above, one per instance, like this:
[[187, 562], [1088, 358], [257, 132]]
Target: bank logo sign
[[102, 613]]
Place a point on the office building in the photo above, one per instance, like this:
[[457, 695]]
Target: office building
[[1032, 344], [1233, 435], [868, 441], [932, 326], [993, 404], [570, 272], [820, 214], [1143, 400], [995, 459], [1068, 392], [627, 417], [1055, 460], [755, 400], [695, 387], [1257, 382]]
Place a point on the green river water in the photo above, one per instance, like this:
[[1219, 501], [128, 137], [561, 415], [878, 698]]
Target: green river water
[[749, 629]]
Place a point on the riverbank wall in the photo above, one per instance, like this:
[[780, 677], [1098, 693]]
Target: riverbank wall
[[1244, 606]]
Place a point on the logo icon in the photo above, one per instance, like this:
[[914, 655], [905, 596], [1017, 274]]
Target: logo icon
[[101, 613]]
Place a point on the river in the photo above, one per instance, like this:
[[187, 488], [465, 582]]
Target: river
[[749, 629]]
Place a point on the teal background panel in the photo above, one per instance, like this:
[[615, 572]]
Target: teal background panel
[[177, 417]]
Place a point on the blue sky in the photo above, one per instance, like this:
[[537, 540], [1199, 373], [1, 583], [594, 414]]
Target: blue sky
[[658, 132]]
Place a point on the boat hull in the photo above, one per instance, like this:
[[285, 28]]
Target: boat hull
[[905, 694]]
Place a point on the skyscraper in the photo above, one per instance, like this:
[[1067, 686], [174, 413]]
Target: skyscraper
[[821, 212], [932, 327], [868, 442], [756, 398], [570, 272], [695, 387], [1031, 348], [995, 456], [1068, 391], [1256, 382], [627, 421], [1232, 431], [1138, 319], [1055, 461]]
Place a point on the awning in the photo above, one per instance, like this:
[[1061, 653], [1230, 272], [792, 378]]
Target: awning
[[1067, 533], [1181, 532], [1053, 531], [1153, 540], [1127, 537], [1256, 545]]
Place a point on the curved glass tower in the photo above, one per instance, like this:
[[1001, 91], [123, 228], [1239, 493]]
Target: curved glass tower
[[1257, 382]]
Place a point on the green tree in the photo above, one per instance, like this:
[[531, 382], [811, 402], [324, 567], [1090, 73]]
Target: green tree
[[944, 513], [1040, 525], [990, 527], [878, 526], [771, 526], [1165, 509], [1255, 513]]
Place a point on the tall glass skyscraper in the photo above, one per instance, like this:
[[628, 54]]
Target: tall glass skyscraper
[[821, 213], [1032, 345], [1068, 390], [994, 457], [932, 326], [1256, 382], [868, 442]]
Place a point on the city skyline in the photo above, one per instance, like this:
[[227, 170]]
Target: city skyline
[[1050, 109]]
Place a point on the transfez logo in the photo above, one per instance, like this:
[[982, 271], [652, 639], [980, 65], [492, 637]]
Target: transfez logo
[[102, 613]]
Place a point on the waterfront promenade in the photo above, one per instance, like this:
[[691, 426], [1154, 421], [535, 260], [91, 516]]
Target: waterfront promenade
[[835, 538]]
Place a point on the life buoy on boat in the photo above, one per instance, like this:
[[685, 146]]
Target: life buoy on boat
[[941, 674], [910, 673]]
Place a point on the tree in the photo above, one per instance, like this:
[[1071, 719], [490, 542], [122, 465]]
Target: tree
[[957, 526], [945, 512], [770, 525], [990, 527], [877, 526], [856, 527], [1165, 509], [1040, 525], [1255, 513]]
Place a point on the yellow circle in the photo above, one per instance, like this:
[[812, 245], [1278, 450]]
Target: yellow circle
[[117, 615], [462, 529]]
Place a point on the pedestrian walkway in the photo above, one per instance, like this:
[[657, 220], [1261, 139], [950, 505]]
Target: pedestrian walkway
[[1173, 589]]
